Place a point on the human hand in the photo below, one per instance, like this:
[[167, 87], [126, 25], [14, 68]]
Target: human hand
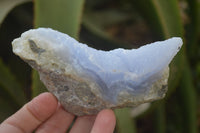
[[45, 115]]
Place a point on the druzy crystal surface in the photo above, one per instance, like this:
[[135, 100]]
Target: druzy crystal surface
[[86, 80]]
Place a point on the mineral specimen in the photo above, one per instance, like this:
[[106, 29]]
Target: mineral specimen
[[86, 80]]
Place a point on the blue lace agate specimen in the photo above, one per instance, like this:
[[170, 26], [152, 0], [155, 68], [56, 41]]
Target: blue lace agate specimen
[[86, 80]]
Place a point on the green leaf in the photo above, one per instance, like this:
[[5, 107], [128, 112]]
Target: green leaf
[[6, 109], [11, 85], [193, 27], [37, 86], [98, 39], [188, 100], [7, 5], [125, 123], [169, 16], [62, 15], [163, 15], [159, 121], [95, 28]]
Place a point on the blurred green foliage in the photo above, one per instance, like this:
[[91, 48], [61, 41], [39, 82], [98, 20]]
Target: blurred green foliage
[[108, 24]]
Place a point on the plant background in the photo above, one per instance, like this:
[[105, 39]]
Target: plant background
[[109, 24]]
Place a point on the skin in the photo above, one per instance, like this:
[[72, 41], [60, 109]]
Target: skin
[[44, 115]]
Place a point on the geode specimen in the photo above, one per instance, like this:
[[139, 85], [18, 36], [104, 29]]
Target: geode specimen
[[86, 80]]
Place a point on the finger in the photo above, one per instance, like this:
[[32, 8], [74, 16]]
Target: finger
[[83, 124], [59, 122], [105, 122], [30, 115]]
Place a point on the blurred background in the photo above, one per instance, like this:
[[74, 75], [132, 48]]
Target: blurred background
[[109, 24]]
